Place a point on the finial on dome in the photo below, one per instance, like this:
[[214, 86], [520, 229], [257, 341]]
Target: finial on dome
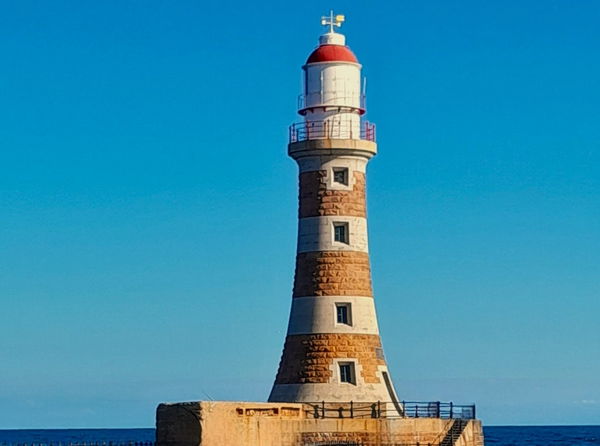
[[333, 20]]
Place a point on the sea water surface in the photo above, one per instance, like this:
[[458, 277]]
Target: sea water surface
[[494, 435], [542, 435]]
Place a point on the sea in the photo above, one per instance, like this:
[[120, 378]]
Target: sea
[[494, 435]]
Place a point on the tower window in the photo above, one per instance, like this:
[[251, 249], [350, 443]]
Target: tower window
[[340, 233], [340, 175], [347, 374], [343, 314]]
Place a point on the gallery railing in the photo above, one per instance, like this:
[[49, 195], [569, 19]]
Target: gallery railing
[[309, 130], [388, 409]]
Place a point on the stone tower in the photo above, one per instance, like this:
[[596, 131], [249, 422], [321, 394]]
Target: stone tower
[[332, 350]]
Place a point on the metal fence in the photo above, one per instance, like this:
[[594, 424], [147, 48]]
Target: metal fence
[[389, 409], [437, 409], [309, 130]]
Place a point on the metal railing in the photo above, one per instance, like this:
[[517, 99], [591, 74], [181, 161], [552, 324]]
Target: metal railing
[[388, 409], [309, 130], [437, 409]]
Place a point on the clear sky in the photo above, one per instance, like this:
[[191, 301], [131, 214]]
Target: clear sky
[[148, 208]]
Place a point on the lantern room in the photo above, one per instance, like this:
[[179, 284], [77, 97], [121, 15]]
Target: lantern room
[[332, 101]]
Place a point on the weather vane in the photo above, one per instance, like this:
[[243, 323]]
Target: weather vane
[[332, 20]]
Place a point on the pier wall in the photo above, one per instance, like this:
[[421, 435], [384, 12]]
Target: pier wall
[[212, 423]]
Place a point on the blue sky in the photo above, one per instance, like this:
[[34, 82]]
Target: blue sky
[[148, 208]]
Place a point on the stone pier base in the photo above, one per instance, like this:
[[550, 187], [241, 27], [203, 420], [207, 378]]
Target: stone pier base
[[212, 423]]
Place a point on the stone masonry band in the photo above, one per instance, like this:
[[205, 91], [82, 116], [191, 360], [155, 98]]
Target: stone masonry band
[[316, 199], [310, 358], [341, 273]]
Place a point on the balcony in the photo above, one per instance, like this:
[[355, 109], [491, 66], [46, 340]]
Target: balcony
[[305, 131]]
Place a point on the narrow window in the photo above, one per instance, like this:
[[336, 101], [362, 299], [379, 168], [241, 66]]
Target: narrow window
[[344, 315], [347, 372], [340, 175], [341, 233]]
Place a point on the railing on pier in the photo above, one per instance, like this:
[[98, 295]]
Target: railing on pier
[[308, 130], [388, 409]]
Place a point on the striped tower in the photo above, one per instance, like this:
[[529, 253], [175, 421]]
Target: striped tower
[[332, 350]]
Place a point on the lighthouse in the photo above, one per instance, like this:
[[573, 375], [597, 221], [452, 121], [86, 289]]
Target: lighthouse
[[333, 350], [333, 385]]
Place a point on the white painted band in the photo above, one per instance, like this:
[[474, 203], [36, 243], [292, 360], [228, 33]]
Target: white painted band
[[318, 314], [312, 163], [317, 234], [335, 391], [332, 38]]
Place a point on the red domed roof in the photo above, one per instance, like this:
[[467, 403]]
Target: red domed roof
[[332, 53]]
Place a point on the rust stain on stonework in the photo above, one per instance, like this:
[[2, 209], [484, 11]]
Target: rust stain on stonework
[[309, 358], [316, 200], [332, 273]]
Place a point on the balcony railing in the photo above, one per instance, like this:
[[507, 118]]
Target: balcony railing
[[304, 131], [388, 409]]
